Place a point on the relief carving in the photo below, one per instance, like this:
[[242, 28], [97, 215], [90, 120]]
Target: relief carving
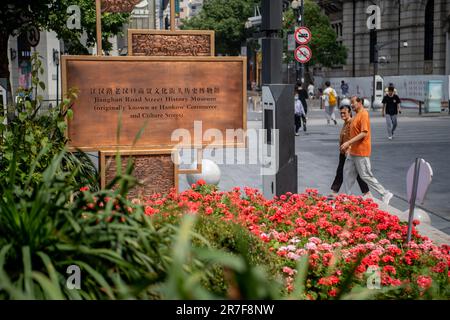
[[119, 5], [171, 45]]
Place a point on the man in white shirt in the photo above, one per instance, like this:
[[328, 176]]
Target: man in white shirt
[[330, 102]]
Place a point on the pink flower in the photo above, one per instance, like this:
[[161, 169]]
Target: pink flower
[[311, 246], [289, 271], [315, 240], [292, 256], [424, 282]]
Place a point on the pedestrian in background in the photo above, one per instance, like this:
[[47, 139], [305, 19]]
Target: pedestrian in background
[[386, 90], [311, 90], [346, 115], [299, 114], [358, 150], [344, 89], [391, 108], [303, 96], [329, 98]]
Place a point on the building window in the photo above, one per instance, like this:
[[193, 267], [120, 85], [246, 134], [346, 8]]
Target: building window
[[429, 30], [373, 43]]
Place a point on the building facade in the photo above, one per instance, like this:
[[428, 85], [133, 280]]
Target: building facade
[[423, 24]]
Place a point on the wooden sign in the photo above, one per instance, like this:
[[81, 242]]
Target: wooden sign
[[170, 43], [162, 94]]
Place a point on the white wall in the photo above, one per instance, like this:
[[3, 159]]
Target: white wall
[[409, 87]]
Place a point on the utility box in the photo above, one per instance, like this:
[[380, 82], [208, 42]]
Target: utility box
[[278, 150], [434, 96]]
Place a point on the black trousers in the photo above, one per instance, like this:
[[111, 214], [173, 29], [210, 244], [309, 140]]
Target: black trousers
[[339, 179], [298, 122]]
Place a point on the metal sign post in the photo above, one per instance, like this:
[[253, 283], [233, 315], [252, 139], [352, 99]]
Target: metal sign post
[[412, 201], [418, 180]]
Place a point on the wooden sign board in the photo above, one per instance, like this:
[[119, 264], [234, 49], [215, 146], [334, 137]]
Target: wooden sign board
[[154, 170], [170, 43], [160, 94]]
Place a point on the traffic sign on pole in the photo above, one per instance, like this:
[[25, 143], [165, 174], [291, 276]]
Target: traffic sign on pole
[[303, 54], [303, 35]]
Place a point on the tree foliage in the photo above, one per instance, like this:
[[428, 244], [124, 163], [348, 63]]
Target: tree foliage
[[18, 16], [227, 18]]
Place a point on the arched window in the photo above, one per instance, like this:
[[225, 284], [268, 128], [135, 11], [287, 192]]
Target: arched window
[[429, 30]]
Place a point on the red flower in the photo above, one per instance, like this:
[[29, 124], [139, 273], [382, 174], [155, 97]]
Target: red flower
[[201, 182], [388, 259], [332, 293], [209, 210], [150, 211], [84, 189]]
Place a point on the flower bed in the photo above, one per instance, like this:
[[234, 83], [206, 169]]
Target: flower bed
[[348, 234]]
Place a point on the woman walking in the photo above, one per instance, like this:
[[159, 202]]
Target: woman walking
[[346, 115]]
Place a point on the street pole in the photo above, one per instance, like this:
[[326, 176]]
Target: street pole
[[302, 66], [375, 72]]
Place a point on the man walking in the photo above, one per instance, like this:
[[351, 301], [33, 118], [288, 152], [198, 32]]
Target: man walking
[[359, 149], [391, 108], [346, 115], [330, 102], [344, 89]]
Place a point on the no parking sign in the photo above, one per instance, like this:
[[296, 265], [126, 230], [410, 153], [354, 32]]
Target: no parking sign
[[302, 35]]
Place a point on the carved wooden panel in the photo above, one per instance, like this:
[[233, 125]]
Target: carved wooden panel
[[171, 43], [155, 172], [119, 5]]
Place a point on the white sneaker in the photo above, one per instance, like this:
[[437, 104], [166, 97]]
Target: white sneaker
[[387, 197], [390, 138], [297, 134], [368, 195]]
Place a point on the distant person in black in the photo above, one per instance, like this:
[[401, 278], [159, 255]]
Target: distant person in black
[[391, 108], [303, 96]]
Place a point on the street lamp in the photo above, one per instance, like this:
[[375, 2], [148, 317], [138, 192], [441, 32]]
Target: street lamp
[[377, 48]]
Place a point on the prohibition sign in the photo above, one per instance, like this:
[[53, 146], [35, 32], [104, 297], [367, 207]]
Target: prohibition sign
[[303, 35], [303, 54]]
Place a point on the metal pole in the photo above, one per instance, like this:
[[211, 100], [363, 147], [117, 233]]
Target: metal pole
[[412, 201], [375, 71], [57, 81], [302, 23], [98, 12]]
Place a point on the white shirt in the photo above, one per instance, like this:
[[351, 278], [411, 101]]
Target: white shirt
[[311, 89], [326, 96], [299, 107]]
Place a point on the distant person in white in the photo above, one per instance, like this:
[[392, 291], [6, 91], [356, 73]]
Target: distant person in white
[[329, 98], [311, 90]]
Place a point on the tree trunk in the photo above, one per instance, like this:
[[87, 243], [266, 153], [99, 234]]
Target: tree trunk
[[4, 64]]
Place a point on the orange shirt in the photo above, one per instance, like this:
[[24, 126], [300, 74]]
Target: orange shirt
[[361, 123]]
